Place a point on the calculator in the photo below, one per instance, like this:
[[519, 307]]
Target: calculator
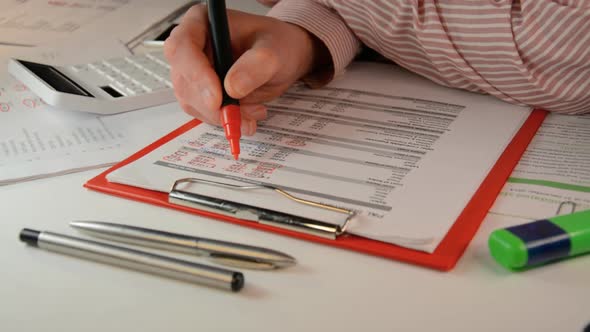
[[104, 87]]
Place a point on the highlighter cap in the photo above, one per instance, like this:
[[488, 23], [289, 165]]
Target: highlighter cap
[[541, 241], [507, 249]]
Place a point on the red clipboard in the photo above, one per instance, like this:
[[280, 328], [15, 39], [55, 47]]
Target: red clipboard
[[443, 258]]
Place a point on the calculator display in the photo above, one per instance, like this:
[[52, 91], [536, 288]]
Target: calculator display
[[55, 78]]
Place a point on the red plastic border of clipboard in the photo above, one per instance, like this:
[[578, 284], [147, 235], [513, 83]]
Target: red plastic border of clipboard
[[443, 258]]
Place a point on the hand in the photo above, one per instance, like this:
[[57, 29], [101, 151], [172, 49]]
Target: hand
[[269, 54]]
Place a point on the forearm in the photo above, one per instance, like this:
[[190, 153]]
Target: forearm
[[533, 54]]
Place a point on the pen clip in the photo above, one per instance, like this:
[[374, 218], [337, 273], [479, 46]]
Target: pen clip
[[242, 262], [261, 215]]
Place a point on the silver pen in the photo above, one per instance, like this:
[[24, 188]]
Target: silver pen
[[135, 259], [223, 252]]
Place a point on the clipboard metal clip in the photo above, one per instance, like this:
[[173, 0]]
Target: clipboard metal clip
[[261, 215]]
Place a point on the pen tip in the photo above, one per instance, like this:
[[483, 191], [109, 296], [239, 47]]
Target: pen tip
[[236, 156], [76, 223], [85, 224]]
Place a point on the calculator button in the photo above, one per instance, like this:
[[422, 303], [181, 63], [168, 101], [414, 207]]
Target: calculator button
[[133, 74], [155, 85], [78, 68]]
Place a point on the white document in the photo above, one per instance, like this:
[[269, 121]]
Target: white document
[[555, 169], [38, 141], [404, 153], [41, 22]]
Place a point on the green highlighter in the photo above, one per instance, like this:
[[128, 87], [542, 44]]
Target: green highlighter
[[541, 241]]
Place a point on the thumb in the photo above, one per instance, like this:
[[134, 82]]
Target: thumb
[[253, 69]]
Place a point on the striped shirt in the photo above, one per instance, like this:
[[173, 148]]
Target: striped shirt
[[526, 52]]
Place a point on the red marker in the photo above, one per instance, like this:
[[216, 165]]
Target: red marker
[[231, 119]]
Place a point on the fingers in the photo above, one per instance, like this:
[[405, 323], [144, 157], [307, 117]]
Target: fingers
[[255, 68], [248, 127], [257, 112], [251, 113], [205, 116], [193, 77], [196, 85], [192, 30]]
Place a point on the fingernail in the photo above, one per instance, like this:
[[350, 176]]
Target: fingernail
[[248, 127], [241, 83], [257, 113], [245, 127], [252, 128]]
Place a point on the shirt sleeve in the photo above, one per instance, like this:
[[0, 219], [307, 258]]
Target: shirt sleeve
[[552, 38], [526, 52], [326, 25]]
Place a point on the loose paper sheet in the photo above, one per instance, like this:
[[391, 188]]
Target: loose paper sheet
[[42, 22], [37, 140], [555, 169]]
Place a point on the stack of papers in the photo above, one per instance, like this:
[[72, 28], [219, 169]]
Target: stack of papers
[[42, 23], [37, 140]]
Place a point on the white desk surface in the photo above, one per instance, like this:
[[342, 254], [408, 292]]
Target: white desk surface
[[330, 289]]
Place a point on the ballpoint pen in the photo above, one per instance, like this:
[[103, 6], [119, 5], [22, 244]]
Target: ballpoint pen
[[223, 60], [134, 259], [227, 253]]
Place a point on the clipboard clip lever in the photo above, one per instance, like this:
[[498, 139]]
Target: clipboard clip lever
[[261, 215]]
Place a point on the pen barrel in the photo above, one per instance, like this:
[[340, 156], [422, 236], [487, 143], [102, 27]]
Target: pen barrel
[[221, 43], [142, 261], [223, 252], [541, 241]]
